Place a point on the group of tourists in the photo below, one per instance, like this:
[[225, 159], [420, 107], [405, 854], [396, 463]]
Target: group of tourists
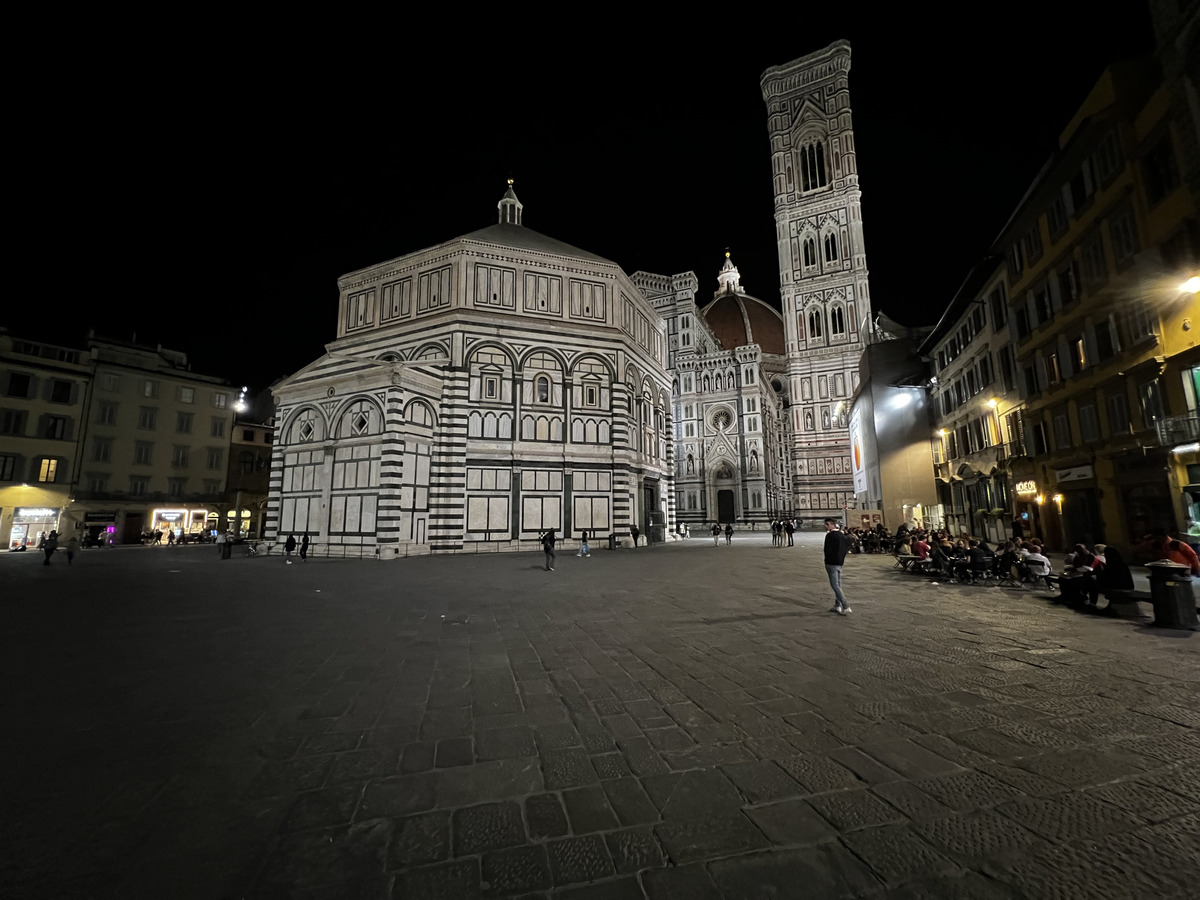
[[784, 528]]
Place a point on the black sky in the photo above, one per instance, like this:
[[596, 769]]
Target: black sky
[[209, 198]]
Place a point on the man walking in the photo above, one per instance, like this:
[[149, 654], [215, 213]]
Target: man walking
[[836, 545], [548, 541]]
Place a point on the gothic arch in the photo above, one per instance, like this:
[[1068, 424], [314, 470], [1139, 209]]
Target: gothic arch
[[432, 350]]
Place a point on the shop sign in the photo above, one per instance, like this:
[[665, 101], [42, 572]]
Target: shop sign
[[170, 516], [36, 512], [1026, 487], [104, 516], [1076, 473]]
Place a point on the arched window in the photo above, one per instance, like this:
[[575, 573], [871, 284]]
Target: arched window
[[831, 248], [812, 166], [543, 389], [837, 321], [810, 252], [814, 324]]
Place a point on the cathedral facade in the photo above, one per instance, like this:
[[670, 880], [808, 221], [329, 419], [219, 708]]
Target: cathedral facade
[[487, 389]]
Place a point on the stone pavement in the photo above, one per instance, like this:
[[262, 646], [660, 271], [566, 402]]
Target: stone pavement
[[689, 722]]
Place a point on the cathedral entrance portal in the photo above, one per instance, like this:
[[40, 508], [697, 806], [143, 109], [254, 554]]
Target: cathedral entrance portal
[[725, 508]]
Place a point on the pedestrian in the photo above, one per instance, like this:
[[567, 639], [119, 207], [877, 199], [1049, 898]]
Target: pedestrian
[[221, 544], [72, 546], [289, 547], [583, 545], [548, 540], [836, 544], [634, 533], [728, 534], [776, 534], [716, 533], [171, 538], [304, 547], [49, 546], [791, 531]]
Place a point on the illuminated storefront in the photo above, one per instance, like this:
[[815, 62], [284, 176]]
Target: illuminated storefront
[[181, 521], [29, 523]]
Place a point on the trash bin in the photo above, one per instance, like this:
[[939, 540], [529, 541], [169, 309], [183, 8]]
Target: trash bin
[[1171, 594], [612, 541]]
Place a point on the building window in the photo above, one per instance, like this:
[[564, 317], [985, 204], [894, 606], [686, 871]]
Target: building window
[[831, 252], [187, 395], [591, 396], [1153, 407], [491, 387], [19, 384], [1089, 424], [48, 471], [12, 421], [102, 449], [216, 458], [175, 486], [1105, 347], [212, 486], [1124, 236], [814, 324], [110, 382], [106, 413], [98, 484], [220, 401], [139, 485], [810, 252], [837, 321], [179, 457], [812, 166], [150, 389], [1158, 170], [147, 418], [543, 389], [8, 467], [183, 423], [1080, 354], [999, 305], [1056, 217], [1118, 414], [60, 392], [1062, 432], [1053, 370], [1033, 244], [217, 427], [143, 453], [247, 436], [56, 427], [1095, 269]]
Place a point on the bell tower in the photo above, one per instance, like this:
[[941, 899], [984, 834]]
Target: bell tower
[[822, 267]]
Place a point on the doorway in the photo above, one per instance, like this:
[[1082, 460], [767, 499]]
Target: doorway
[[725, 507]]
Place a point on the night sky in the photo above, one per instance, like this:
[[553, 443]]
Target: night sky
[[209, 201]]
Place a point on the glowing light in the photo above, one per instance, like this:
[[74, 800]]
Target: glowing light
[[902, 400], [943, 432], [1191, 286], [1040, 499], [1186, 448], [992, 403]]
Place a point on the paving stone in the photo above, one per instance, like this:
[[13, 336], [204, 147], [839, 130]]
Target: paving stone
[[420, 840], [505, 743], [440, 724], [324, 808], [964, 791], [826, 870], [556, 737], [516, 870], [390, 798], [1023, 781], [791, 822], [977, 836], [634, 849], [1068, 816], [862, 765], [310, 858], [967, 886], [912, 801], [417, 757], [578, 859], [489, 826], [909, 759], [670, 739], [817, 773], [707, 756], [498, 779], [457, 880], [588, 809], [289, 776], [598, 741], [567, 768], [1144, 799], [761, 781], [813, 741], [1083, 769], [610, 765], [897, 854], [623, 888], [692, 794], [850, 810], [721, 834], [363, 765], [1073, 873], [630, 802], [641, 757], [545, 815], [454, 752], [680, 883]]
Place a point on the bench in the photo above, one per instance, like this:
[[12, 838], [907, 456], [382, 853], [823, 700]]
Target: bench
[[1125, 603]]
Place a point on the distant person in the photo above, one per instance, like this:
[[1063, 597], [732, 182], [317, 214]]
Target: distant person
[[221, 545], [49, 545], [304, 547], [728, 535], [1115, 576], [72, 546], [791, 531], [634, 533], [289, 547], [548, 541], [171, 538], [583, 545], [836, 545], [716, 533]]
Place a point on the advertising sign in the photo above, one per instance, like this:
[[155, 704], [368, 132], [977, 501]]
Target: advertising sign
[[857, 458]]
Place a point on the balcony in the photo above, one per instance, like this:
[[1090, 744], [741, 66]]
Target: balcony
[[1178, 430]]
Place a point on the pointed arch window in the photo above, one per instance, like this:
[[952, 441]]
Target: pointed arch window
[[810, 252], [814, 324], [837, 321], [812, 166], [831, 248]]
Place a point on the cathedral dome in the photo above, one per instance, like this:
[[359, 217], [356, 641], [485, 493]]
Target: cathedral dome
[[738, 319]]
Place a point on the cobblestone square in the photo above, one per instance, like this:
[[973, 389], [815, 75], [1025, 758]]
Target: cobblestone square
[[683, 721]]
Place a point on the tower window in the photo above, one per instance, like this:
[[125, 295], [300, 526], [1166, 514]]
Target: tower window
[[814, 324], [831, 248], [837, 321], [810, 252], [812, 166]]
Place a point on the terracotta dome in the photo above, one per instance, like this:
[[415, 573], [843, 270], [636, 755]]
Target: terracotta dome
[[739, 319]]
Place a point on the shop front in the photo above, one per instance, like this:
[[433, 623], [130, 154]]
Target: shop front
[[99, 528], [1029, 502], [31, 524], [1078, 506], [186, 524]]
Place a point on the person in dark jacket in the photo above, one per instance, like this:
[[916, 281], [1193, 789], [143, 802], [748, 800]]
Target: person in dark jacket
[[549, 539], [836, 545], [1113, 576]]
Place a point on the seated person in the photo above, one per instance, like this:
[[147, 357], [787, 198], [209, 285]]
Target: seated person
[[979, 559], [920, 548], [1113, 576], [1037, 564], [1076, 577]]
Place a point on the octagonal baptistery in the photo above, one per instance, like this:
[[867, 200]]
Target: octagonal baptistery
[[478, 393]]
